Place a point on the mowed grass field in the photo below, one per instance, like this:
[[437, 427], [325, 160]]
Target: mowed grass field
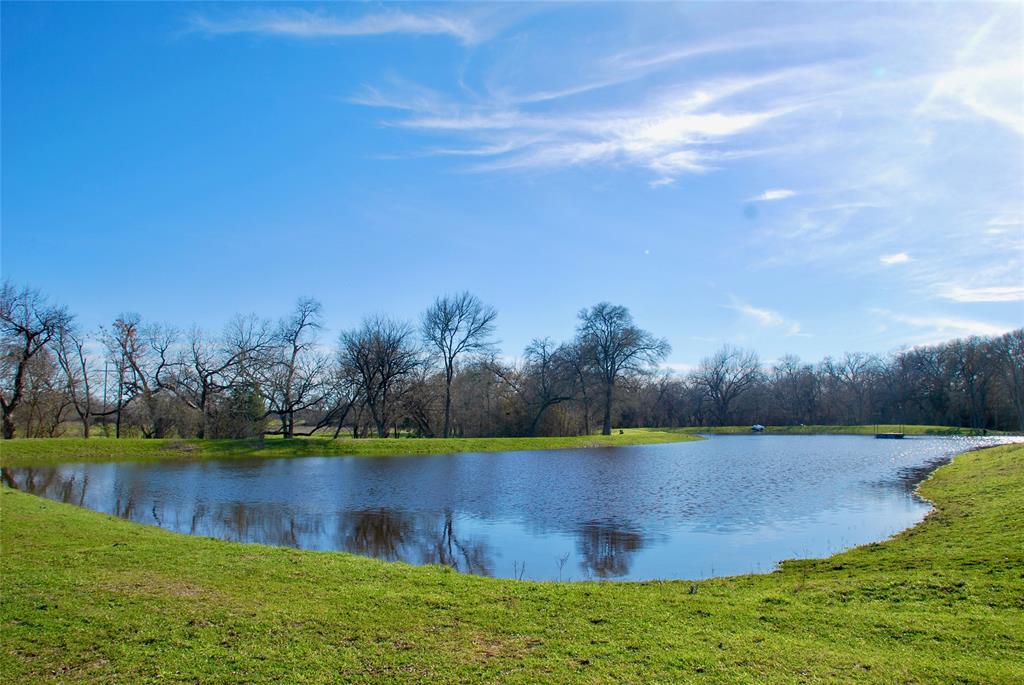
[[90, 598]]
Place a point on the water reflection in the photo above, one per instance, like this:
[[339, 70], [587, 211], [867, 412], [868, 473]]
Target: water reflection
[[394, 535], [606, 551], [724, 506]]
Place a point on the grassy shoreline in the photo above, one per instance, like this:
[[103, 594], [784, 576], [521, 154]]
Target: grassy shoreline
[[90, 598], [870, 429], [50, 451]]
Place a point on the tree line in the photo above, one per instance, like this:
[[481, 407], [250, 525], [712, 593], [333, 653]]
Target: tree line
[[442, 376]]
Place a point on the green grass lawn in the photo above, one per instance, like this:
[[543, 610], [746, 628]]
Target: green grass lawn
[[41, 452], [90, 598], [869, 429]]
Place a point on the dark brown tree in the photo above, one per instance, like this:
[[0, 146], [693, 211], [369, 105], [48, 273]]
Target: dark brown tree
[[381, 355], [725, 376], [28, 322], [614, 346], [453, 326], [293, 375]]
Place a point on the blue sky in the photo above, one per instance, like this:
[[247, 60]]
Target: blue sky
[[790, 178]]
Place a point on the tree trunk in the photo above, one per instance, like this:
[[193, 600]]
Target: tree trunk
[[8, 425], [447, 403], [203, 422], [606, 424]]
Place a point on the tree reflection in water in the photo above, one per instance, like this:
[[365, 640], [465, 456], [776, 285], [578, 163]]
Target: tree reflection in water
[[395, 535], [462, 554], [606, 551], [564, 516], [388, 534], [47, 483], [377, 533]]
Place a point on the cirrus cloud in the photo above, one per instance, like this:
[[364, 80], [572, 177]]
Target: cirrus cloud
[[772, 195]]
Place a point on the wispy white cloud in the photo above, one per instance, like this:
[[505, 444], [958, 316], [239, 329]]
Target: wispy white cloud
[[1005, 223], [894, 258], [682, 130], [691, 124], [889, 133], [1008, 293], [771, 195], [985, 79], [940, 327], [767, 318], [299, 23]]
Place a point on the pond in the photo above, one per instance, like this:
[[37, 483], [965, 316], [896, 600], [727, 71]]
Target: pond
[[724, 506]]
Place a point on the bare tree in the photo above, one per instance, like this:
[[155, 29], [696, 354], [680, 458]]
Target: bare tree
[[794, 388], [293, 378], [228, 385], [41, 411], [28, 322], [579, 361], [725, 376], [142, 355], [426, 389], [853, 375], [615, 346], [926, 386], [455, 325], [208, 368], [380, 355], [70, 346], [1009, 351], [972, 367], [341, 394], [547, 379]]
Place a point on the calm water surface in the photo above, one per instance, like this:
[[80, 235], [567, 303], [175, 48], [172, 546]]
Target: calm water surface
[[727, 505]]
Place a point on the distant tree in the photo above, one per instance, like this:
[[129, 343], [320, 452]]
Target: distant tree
[[142, 356], [341, 394], [43, 404], [973, 367], [926, 384], [28, 322], [426, 391], [547, 379], [451, 327], [240, 413], [583, 378], [853, 375], [70, 346], [725, 376], [613, 346], [293, 374], [1009, 353], [210, 367], [380, 355], [794, 389]]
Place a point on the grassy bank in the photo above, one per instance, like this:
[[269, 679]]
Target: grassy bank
[[41, 452], [870, 429], [90, 598]]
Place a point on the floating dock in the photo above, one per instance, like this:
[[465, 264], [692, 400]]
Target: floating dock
[[889, 436]]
